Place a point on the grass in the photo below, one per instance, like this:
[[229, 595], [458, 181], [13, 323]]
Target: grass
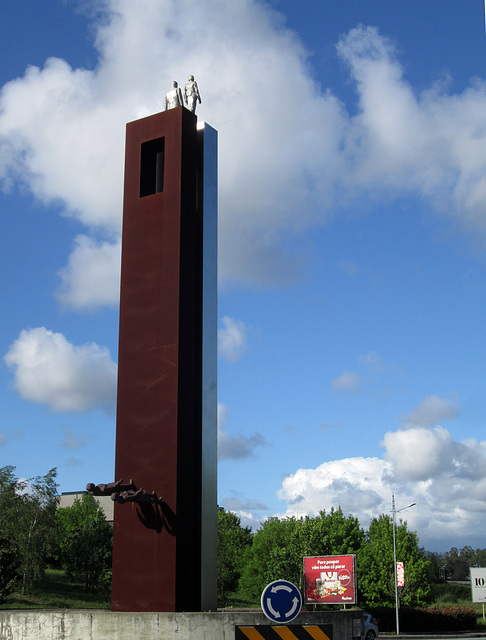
[[238, 601], [57, 591]]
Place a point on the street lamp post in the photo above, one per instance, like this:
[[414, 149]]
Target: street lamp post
[[394, 512]]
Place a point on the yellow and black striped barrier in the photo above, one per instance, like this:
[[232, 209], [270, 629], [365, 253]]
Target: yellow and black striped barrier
[[285, 632]]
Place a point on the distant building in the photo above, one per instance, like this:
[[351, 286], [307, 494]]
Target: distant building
[[67, 498]]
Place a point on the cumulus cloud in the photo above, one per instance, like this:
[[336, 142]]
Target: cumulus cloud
[[355, 484], [432, 144], [235, 447], [348, 382], [62, 130], [418, 453], [232, 339], [57, 133], [445, 479], [92, 276], [50, 370], [431, 410]]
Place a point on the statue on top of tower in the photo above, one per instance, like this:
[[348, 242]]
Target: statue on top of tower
[[191, 94], [173, 97]]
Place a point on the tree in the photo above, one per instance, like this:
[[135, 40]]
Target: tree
[[28, 509], [331, 533], [436, 571], [481, 557], [9, 563], [280, 545], [233, 541], [376, 576], [270, 556], [457, 562], [85, 542]]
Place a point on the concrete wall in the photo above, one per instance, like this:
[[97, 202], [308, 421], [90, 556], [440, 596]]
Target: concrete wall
[[104, 625]]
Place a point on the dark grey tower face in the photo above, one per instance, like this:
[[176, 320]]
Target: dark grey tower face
[[164, 550], [209, 530]]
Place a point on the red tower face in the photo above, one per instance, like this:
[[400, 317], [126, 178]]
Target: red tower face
[[166, 423]]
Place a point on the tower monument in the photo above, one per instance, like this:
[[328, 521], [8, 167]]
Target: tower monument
[[165, 523]]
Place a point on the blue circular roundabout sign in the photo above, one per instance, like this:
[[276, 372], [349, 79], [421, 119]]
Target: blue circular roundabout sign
[[281, 601]]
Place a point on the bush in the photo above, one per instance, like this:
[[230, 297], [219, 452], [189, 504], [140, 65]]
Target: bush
[[85, 542], [451, 593], [425, 619], [87, 554]]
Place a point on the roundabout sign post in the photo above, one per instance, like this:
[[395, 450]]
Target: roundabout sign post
[[281, 601]]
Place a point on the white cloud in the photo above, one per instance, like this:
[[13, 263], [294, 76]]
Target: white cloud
[[65, 140], [432, 144], [431, 410], [418, 453], [282, 167], [92, 276], [445, 478], [235, 447], [248, 519], [348, 382], [355, 484], [50, 370], [63, 129], [232, 339]]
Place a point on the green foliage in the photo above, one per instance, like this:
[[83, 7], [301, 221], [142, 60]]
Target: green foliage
[[456, 563], [269, 556], [450, 593], [58, 591], [85, 542], [375, 563], [233, 542], [28, 509], [436, 567], [9, 563], [280, 545]]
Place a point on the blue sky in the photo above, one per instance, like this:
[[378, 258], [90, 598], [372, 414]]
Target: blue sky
[[352, 256]]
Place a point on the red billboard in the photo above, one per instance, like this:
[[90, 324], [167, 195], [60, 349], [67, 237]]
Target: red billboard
[[330, 579]]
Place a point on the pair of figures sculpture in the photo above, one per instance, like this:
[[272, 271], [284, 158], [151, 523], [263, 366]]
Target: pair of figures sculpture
[[123, 492], [173, 97]]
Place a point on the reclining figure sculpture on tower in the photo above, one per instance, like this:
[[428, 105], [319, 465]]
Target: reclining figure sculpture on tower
[[108, 489]]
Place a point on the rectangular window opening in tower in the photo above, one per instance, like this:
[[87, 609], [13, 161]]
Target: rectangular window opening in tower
[[152, 167]]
